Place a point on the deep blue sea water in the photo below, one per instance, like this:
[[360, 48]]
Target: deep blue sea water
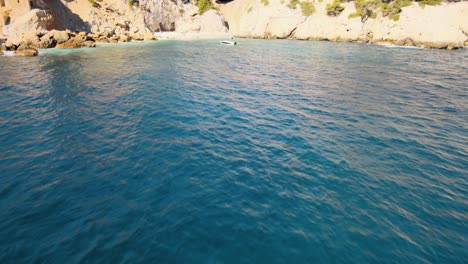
[[272, 151]]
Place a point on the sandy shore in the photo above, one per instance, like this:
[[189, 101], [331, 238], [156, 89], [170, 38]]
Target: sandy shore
[[190, 36]]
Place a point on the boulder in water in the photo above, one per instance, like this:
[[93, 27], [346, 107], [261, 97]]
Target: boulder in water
[[9, 45], [148, 37], [2, 47], [47, 41], [75, 42], [124, 38], [137, 36], [29, 40], [60, 36], [29, 52], [89, 44], [81, 35]]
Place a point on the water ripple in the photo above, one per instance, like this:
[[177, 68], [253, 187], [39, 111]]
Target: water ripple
[[269, 152]]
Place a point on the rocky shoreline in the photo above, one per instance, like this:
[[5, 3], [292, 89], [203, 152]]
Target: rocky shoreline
[[29, 43], [407, 42], [443, 26], [29, 25]]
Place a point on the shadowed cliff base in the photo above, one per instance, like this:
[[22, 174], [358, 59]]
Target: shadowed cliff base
[[64, 18]]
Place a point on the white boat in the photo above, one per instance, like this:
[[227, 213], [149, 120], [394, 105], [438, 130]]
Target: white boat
[[228, 42]]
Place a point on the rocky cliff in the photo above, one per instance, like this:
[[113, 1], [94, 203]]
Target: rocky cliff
[[133, 16], [35, 24], [439, 26]]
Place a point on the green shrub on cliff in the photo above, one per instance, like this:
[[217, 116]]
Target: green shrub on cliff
[[359, 5], [307, 8], [423, 3], [335, 8], [405, 3], [94, 3], [355, 14], [133, 2], [393, 9], [388, 8], [293, 4], [395, 17], [265, 2], [204, 5]]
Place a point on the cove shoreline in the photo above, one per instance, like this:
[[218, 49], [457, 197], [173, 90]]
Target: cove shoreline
[[189, 36]]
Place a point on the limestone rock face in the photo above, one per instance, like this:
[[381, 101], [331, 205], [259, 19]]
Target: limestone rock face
[[113, 22], [428, 27], [253, 19], [443, 26], [277, 20], [161, 15], [118, 17], [209, 22], [36, 20], [320, 26]]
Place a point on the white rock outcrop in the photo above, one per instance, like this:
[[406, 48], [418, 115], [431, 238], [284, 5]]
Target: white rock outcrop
[[117, 17], [443, 26], [35, 20], [209, 22]]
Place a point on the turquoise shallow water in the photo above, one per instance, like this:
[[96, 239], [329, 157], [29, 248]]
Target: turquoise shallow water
[[266, 152]]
